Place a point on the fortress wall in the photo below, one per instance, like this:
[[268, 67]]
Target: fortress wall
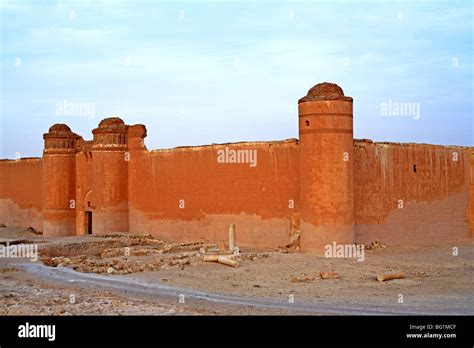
[[21, 185], [216, 194], [435, 198], [471, 192]]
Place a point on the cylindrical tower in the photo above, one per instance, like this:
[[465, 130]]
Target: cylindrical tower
[[59, 180], [110, 177], [326, 167]]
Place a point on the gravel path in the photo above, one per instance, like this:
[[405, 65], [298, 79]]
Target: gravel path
[[155, 291]]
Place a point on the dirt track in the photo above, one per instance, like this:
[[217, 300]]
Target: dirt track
[[436, 283]]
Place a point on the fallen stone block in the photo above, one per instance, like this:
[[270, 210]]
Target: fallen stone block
[[385, 277], [227, 261], [215, 258]]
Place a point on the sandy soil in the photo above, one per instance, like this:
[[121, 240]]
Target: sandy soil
[[436, 282]]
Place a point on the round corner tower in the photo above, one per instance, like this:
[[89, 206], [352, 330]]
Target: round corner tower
[[326, 167], [59, 180], [110, 176]]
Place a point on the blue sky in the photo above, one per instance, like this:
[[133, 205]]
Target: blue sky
[[218, 71]]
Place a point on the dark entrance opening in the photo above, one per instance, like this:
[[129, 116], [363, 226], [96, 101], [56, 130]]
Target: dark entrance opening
[[88, 222]]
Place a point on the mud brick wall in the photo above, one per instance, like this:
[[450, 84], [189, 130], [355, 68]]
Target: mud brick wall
[[471, 193], [21, 185], [438, 199], [411, 193], [186, 194]]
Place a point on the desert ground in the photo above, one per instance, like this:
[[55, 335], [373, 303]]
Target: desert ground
[[136, 274]]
